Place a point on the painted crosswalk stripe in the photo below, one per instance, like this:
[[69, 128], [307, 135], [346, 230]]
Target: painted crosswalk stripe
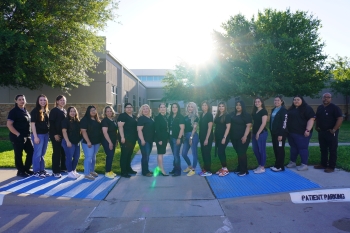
[[73, 192], [100, 188], [43, 186], [14, 189], [59, 187]]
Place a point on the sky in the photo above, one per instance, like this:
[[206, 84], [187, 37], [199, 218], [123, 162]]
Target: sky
[[158, 34]]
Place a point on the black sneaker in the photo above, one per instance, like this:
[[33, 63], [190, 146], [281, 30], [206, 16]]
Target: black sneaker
[[22, 174], [39, 175], [132, 172], [30, 172], [45, 173], [125, 175], [172, 172]]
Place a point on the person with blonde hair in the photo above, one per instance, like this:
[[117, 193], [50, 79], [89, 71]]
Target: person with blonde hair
[[145, 131], [191, 137], [109, 140]]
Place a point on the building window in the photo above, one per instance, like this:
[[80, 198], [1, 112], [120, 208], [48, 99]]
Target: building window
[[126, 97]]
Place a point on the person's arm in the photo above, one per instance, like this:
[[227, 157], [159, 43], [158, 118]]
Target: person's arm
[[108, 139], [309, 125], [12, 129], [227, 131], [262, 126], [337, 125], [210, 126], [65, 136], [121, 131], [86, 137], [246, 132], [282, 128], [181, 133], [193, 131], [36, 139], [140, 134]]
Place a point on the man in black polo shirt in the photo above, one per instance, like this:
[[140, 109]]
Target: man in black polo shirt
[[328, 120]]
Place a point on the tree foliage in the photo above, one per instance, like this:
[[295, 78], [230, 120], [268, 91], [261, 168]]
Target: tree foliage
[[47, 42], [341, 75], [276, 52]]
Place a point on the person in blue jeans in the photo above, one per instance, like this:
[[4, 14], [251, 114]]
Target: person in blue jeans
[[39, 123], [71, 141], [191, 137], [176, 124], [259, 135], [109, 141], [301, 119], [145, 132], [90, 126]]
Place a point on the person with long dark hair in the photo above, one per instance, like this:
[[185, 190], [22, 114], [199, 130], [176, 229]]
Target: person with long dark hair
[[161, 135], [18, 122], [90, 126], [222, 129], [145, 130], [127, 125], [301, 119], [57, 114], [71, 141], [109, 141], [40, 135], [259, 135], [176, 124], [241, 122], [206, 137], [278, 129]]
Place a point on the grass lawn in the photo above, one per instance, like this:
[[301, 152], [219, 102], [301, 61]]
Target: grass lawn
[[343, 160], [7, 158]]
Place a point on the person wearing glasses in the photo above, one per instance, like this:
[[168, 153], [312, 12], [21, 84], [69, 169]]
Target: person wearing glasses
[[329, 118], [127, 125]]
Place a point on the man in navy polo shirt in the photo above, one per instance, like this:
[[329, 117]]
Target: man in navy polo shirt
[[329, 118]]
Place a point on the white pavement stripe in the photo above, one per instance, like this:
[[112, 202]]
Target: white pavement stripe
[[38, 221], [43, 186], [14, 221], [14, 189], [61, 186], [1, 198], [101, 188], [76, 190]]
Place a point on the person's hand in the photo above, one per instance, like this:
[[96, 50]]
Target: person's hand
[[160, 143], [190, 141], [223, 141], [257, 136], [243, 139], [122, 140], [69, 144], [89, 144], [57, 138], [178, 141], [110, 145], [306, 134], [36, 140], [279, 138], [205, 142], [143, 142]]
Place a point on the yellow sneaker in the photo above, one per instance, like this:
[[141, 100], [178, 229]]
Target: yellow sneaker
[[191, 173], [113, 174], [109, 175], [187, 169]]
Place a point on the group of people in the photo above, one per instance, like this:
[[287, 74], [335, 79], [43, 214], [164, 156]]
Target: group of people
[[31, 133]]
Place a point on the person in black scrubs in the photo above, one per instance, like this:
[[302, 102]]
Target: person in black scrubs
[[176, 124], [278, 129], [18, 122], [301, 119], [240, 136], [57, 114], [127, 125], [90, 126], [329, 118], [161, 135], [145, 130], [109, 141], [71, 141], [40, 135], [206, 137], [222, 129]]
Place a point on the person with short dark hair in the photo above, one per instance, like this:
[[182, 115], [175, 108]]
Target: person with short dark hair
[[259, 134], [329, 118], [206, 137], [71, 141], [127, 125], [145, 130], [161, 135], [57, 115], [222, 129], [18, 122], [278, 129], [90, 126], [40, 135], [241, 121], [301, 119], [109, 141], [176, 124]]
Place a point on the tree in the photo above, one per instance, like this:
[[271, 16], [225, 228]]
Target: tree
[[51, 43], [341, 78]]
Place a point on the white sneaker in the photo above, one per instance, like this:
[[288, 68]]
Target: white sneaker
[[302, 167], [291, 164], [77, 175], [259, 170], [71, 175], [276, 169], [254, 170]]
